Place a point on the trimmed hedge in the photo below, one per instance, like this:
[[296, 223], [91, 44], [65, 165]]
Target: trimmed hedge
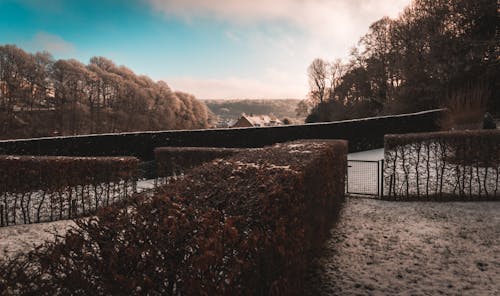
[[49, 187], [443, 165], [246, 225], [176, 160], [51, 173], [362, 134]]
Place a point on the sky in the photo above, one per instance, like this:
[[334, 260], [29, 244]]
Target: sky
[[214, 49]]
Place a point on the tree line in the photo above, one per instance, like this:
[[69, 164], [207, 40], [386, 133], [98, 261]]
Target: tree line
[[437, 53], [41, 96]]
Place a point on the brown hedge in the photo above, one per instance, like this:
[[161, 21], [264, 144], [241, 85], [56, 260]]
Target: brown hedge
[[362, 134], [176, 160], [28, 173], [493, 136], [443, 165], [47, 188], [246, 225]]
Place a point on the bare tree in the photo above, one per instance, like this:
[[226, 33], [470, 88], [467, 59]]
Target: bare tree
[[336, 71], [77, 98], [318, 75], [303, 108], [410, 63]]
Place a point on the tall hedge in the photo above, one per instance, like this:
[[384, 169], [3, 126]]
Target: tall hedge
[[362, 134], [245, 225], [443, 165]]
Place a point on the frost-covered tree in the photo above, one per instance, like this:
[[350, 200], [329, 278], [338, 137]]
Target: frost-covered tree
[[40, 97]]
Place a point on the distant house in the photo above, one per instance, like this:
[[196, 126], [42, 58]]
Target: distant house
[[225, 123], [256, 121]]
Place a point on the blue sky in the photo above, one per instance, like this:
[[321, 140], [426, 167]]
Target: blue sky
[[211, 48]]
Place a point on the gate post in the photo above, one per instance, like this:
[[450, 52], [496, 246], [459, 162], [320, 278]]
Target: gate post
[[347, 178], [378, 178], [382, 179]]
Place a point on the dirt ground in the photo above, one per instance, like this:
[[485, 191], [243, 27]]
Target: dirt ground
[[410, 248]]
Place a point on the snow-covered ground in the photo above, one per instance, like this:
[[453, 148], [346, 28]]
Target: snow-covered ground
[[374, 155], [144, 185], [23, 238], [411, 248]]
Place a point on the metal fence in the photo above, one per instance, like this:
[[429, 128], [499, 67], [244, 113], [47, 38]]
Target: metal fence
[[364, 177]]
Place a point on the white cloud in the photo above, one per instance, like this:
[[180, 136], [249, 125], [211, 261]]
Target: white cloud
[[52, 43], [232, 35], [326, 18], [299, 11], [286, 35], [329, 27]]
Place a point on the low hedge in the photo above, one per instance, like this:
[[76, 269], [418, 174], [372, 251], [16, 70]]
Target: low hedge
[[176, 160], [443, 165], [45, 188], [246, 225]]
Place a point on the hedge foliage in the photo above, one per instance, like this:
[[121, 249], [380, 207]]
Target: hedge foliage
[[245, 225], [45, 188], [176, 160], [443, 165], [52, 173]]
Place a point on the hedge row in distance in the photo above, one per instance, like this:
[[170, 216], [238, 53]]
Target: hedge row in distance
[[362, 134], [245, 225]]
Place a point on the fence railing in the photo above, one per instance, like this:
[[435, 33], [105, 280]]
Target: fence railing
[[44, 206], [365, 177], [40, 189]]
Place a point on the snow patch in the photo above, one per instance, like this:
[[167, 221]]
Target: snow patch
[[410, 248], [20, 239], [300, 151]]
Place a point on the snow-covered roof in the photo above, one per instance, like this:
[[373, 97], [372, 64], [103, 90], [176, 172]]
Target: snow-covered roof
[[232, 122], [262, 120]]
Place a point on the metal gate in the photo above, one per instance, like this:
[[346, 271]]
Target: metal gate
[[365, 177]]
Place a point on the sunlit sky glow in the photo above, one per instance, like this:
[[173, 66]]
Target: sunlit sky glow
[[211, 48]]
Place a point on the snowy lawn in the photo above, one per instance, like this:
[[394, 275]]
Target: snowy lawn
[[411, 248], [375, 155], [23, 238]]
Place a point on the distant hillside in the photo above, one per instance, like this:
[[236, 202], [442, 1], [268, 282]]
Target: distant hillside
[[232, 109]]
